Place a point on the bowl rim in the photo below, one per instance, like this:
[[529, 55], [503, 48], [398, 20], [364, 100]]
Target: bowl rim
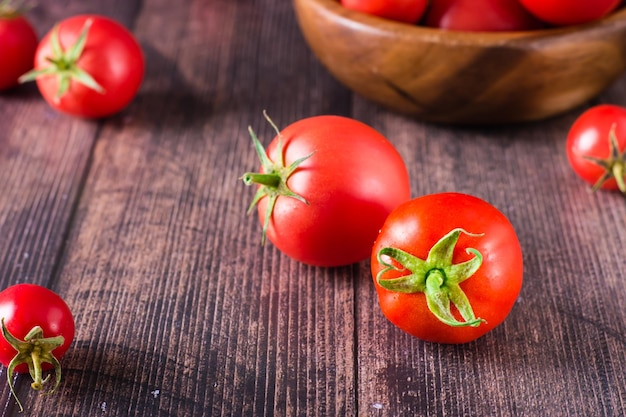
[[364, 21]]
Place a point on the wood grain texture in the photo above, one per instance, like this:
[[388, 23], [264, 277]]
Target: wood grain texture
[[139, 222]]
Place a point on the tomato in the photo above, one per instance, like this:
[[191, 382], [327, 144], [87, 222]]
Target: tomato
[[18, 42], [447, 267], [326, 185], [570, 12], [480, 16], [38, 327], [407, 11], [596, 147], [89, 66]]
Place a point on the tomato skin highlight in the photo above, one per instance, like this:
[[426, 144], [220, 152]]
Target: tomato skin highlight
[[112, 56], [18, 42], [407, 11], [589, 136], [570, 12], [480, 16], [352, 181], [415, 227], [24, 306]]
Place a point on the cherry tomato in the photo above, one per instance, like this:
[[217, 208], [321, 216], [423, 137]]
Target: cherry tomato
[[596, 147], [37, 330], [18, 42], [447, 267], [570, 12], [106, 62], [326, 185], [479, 16], [408, 11]]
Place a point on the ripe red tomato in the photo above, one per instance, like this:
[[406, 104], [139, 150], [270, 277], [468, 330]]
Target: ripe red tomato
[[108, 67], [36, 323], [596, 147], [408, 11], [479, 16], [447, 267], [18, 42], [326, 185], [570, 12]]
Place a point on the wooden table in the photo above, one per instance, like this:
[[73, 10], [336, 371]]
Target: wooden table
[[138, 222]]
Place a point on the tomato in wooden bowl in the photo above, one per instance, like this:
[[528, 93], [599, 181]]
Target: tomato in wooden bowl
[[462, 77]]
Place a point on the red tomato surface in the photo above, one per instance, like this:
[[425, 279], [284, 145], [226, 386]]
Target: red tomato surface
[[570, 12], [352, 180], [590, 137], [479, 16], [112, 56], [408, 11], [24, 306], [18, 42], [415, 227]]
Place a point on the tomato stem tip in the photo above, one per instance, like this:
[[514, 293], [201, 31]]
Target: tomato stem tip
[[10, 9], [614, 166], [33, 351], [272, 181], [436, 276], [64, 64]]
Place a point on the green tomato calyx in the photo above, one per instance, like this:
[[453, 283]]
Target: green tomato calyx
[[63, 64], [437, 277], [34, 350], [10, 9], [614, 166], [273, 180]]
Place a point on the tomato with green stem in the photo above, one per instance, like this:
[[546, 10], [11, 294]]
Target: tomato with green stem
[[596, 147], [325, 187], [89, 66], [37, 328], [447, 267], [18, 43]]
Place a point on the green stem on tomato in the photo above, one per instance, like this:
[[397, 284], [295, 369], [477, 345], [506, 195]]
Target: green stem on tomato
[[436, 276], [63, 64], [33, 351], [619, 172], [269, 180], [614, 166], [10, 9], [272, 181]]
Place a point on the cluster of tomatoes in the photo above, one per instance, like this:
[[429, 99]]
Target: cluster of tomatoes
[[447, 267], [333, 191], [487, 15], [87, 65]]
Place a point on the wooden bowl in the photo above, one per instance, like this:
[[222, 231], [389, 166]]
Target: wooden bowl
[[465, 77]]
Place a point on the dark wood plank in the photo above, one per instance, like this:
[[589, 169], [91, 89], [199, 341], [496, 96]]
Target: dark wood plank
[[40, 176]]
